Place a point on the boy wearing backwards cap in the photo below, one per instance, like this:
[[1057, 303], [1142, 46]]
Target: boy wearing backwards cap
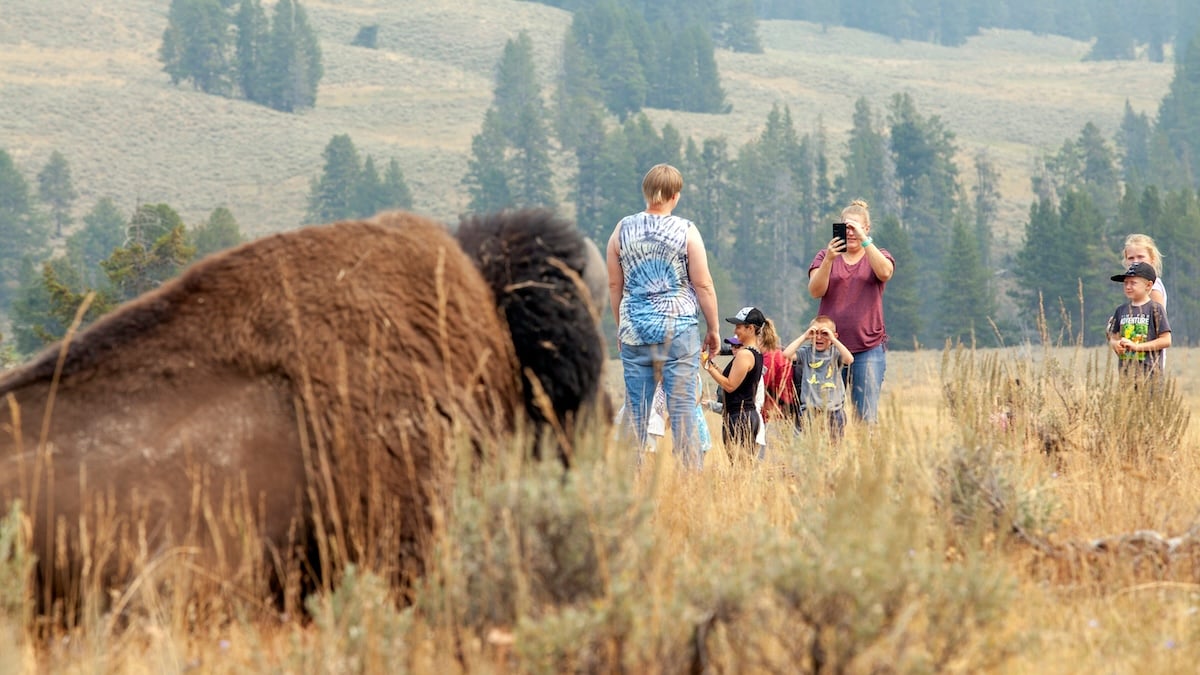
[[1139, 331]]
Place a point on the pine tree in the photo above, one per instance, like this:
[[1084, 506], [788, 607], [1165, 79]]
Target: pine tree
[[487, 178], [157, 249], [219, 232], [1081, 224], [685, 71], [924, 151], [578, 99], [591, 200], [516, 84], [708, 192], [767, 220], [901, 298], [1133, 145], [1114, 39], [293, 59], [650, 146], [532, 176], [368, 191], [1178, 233], [816, 192], [510, 163], [736, 26], [22, 231], [396, 193], [621, 72], [1087, 163], [1038, 293], [1061, 282], [253, 35], [195, 45], [333, 196], [47, 301], [1179, 111], [103, 231], [966, 306], [865, 176], [151, 222], [987, 198], [56, 189]]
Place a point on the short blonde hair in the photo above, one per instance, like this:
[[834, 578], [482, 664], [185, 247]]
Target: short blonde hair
[[661, 184], [826, 320], [858, 207], [1144, 241]]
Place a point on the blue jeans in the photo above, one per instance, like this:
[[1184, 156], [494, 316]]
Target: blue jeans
[[679, 361], [864, 379]]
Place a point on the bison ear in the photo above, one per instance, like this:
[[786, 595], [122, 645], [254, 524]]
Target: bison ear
[[539, 267]]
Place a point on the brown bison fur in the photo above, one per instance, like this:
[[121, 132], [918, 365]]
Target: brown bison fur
[[300, 393]]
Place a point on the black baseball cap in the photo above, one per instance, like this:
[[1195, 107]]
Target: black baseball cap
[[750, 315], [1137, 269]]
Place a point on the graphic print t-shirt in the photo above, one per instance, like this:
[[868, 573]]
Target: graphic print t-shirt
[[1138, 324]]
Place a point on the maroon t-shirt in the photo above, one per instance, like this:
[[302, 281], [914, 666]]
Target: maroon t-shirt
[[854, 300]]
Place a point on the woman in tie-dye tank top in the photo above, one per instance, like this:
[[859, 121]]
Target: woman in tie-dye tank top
[[658, 278]]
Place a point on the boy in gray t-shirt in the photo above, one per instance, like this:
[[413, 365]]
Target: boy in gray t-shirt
[[819, 373]]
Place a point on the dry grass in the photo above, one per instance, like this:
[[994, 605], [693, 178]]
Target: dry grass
[[894, 549], [83, 78]]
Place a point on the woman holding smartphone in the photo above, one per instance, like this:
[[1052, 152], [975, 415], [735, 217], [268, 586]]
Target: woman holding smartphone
[[848, 277]]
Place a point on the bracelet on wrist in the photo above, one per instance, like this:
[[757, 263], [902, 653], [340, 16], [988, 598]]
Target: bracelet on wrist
[[867, 242]]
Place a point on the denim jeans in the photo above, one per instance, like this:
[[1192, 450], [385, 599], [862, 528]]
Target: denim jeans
[[679, 361], [864, 380]]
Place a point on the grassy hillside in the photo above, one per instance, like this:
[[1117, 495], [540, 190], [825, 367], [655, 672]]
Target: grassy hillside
[[84, 78]]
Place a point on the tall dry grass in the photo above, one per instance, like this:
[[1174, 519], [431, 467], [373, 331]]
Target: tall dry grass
[[995, 521]]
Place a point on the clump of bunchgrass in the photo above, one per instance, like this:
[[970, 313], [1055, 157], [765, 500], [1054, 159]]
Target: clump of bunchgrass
[[16, 604], [1082, 405], [16, 566], [358, 627], [873, 584]]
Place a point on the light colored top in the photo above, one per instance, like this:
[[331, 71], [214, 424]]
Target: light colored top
[[659, 301]]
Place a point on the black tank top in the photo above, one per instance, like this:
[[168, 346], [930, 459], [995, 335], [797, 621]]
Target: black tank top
[[742, 398]]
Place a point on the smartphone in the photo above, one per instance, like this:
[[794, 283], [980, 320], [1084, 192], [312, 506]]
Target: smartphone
[[839, 231]]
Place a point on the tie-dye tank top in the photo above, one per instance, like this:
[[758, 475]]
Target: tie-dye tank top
[[659, 300]]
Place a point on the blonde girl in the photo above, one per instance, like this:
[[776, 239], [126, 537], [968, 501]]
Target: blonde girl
[[1141, 248]]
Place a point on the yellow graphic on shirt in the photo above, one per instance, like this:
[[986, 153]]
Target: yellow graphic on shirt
[[827, 381], [1137, 331]]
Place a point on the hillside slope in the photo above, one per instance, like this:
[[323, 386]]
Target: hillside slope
[[84, 78]]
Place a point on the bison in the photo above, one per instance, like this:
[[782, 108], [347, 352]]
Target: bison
[[296, 403]]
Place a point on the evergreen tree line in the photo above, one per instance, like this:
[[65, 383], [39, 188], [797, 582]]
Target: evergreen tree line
[[631, 55], [229, 48], [765, 208], [731, 24], [1119, 27], [352, 188], [1089, 198], [117, 257]]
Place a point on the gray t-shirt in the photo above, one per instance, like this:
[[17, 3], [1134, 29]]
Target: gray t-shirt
[[821, 384]]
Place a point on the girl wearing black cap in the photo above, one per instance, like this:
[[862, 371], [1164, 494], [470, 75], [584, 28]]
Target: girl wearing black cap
[[740, 381]]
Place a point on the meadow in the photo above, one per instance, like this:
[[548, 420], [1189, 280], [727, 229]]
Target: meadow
[[84, 79], [1016, 510], [1060, 541]]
